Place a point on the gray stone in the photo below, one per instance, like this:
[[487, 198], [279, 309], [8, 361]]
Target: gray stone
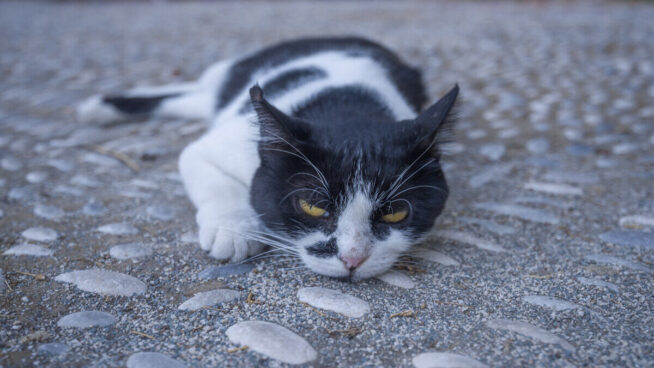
[[29, 250], [488, 225], [152, 360], [213, 272], [492, 151], [550, 302], [272, 340], [209, 299], [130, 250], [596, 282], [615, 261], [522, 212], [104, 282], [118, 229], [445, 360], [162, 213], [531, 331], [87, 319], [48, 212], [334, 301], [630, 238], [397, 278], [93, 208], [470, 239], [42, 234], [53, 348], [434, 256]]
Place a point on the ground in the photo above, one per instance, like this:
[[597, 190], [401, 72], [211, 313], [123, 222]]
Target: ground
[[543, 257]]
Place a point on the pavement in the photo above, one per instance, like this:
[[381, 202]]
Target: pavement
[[543, 257]]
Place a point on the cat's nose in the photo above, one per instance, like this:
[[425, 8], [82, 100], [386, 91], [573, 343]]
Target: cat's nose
[[352, 262]]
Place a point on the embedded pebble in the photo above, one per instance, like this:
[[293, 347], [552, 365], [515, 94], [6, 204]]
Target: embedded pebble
[[272, 340], [488, 225], [93, 208], [85, 181], [213, 272], [118, 229], [637, 220], [580, 149], [48, 212], [550, 302], [42, 234], [434, 256], [29, 250], [471, 239], [10, 164], [64, 189], [189, 237], [571, 177], [22, 194], [87, 319], [538, 145], [209, 299], [596, 282], [548, 201], [624, 148], [53, 348], [161, 212], [522, 212], [334, 301], [104, 282], [492, 151], [36, 177], [152, 360], [131, 250], [630, 238], [489, 174], [532, 331], [615, 261], [445, 360], [551, 188], [61, 164], [398, 279]]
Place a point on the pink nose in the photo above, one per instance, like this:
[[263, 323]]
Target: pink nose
[[352, 262]]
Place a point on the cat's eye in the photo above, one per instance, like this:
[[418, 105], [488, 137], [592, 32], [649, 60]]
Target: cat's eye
[[395, 217], [312, 210]]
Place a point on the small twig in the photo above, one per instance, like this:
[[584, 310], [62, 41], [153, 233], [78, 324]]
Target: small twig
[[548, 276], [118, 156], [9, 286], [251, 300], [37, 277], [236, 350], [350, 332], [451, 303], [142, 334], [408, 313]]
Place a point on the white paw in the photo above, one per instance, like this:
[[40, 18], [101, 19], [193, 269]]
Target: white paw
[[226, 236]]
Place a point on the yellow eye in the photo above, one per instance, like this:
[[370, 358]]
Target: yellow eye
[[395, 216], [312, 210]]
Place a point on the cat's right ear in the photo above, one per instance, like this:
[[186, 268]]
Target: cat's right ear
[[434, 125], [275, 126]]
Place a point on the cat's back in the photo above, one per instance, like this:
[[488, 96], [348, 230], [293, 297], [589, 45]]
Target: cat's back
[[290, 73]]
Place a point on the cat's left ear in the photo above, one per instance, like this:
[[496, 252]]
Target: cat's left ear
[[275, 126], [434, 124]]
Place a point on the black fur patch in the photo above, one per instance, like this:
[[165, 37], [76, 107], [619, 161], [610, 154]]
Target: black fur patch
[[407, 79], [325, 249], [136, 105]]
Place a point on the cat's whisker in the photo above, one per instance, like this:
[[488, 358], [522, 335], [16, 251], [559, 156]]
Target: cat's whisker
[[418, 187], [399, 185]]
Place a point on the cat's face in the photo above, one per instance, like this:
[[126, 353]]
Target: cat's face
[[350, 200]]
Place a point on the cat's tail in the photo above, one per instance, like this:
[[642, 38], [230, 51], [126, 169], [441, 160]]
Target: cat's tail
[[195, 100]]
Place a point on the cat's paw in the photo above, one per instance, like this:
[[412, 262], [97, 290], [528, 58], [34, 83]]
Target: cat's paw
[[226, 236]]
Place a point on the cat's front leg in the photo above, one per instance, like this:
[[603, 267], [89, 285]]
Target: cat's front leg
[[226, 221]]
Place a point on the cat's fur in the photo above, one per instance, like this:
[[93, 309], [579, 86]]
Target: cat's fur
[[333, 124]]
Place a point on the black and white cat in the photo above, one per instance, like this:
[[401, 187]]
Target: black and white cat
[[315, 148]]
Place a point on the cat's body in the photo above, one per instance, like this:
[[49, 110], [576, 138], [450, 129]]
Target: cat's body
[[326, 160]]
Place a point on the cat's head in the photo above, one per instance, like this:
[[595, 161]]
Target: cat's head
[[351, 199]]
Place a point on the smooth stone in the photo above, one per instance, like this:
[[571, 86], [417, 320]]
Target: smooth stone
[[61, 164], [161, 212], [87, 319], [548, 201], [552, 188], [53, 348], [470, 239], [580, 149], [488, 225], [398, 279], [85, 181], [209, 299], [10, 164], [489, 174], [334, 301], [445, 360], [118, 229], [532, 331], [22, 194], [104, 282], [29, 250], [615, 261], [606, 163], [131, 250], [272, 340], [93, 208], [36, 177], [42, 234], [538, 145], [213, 272], [571, 177], [145, 184], [64, 189], [189, 237], [637, 220], [522, 212], [550, 302], [101, 160], [48, 212], [492, 151], [152, 360], [596, 282], [476, 134], [434, 256], [508, 133], [624, 148], [630, 238]]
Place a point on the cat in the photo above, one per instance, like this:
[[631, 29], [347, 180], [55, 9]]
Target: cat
[[316, 147]]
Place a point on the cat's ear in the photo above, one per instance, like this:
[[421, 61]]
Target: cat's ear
[[436, 122], [275, 126]]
